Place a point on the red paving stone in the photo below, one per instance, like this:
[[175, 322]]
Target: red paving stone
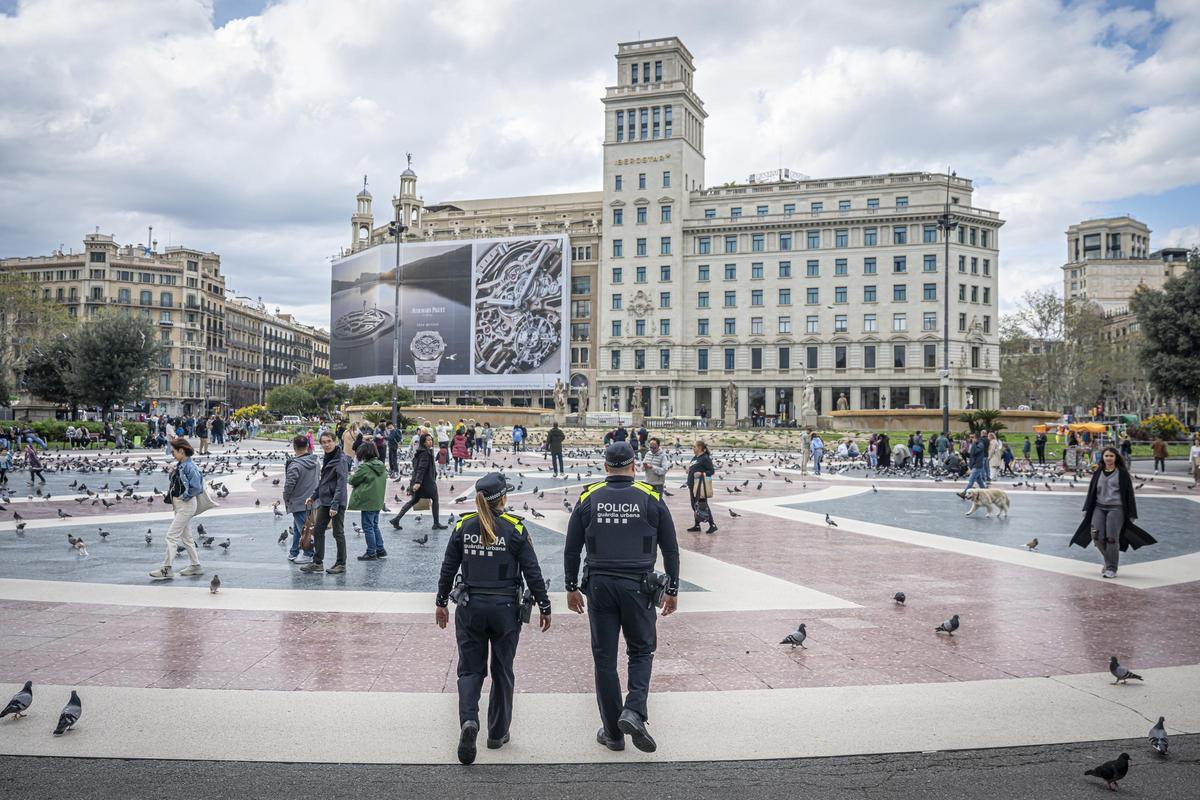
[[1017, 622]]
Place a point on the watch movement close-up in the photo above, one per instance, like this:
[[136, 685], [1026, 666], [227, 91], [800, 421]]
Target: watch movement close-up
[[518, 306]]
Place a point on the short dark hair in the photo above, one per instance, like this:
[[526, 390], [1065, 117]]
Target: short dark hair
[[366, 451], [327, 434], [184, 445], [299, 442], [655, 439]]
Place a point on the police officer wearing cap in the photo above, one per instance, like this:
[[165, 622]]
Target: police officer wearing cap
[[493, 551], [623, 523]]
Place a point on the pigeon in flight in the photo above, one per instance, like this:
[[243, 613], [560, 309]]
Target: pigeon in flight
[[829, 520], [899, 597], [949, 626], [1158, 734], [24, 698], [1121, 673], [214, 585], [1111, 771], [796, 637], [422, 539], [70, 714]]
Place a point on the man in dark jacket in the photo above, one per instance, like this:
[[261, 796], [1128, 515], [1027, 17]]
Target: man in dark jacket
[[330, 500], [1039, 443], [554, 443], [620, 434], [394, 438], [301, 475]]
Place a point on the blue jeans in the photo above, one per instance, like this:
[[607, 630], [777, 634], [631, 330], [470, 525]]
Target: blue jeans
[[370, 526], [297, 527], [817, 456], [978, 476]]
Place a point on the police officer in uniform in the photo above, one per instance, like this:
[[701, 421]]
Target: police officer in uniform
[[623, 523], [493, 551]]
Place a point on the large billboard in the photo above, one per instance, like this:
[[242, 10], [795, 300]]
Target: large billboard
[[474, 314]]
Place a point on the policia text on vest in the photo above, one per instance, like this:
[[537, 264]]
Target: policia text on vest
[[488, 613], [623, 523]]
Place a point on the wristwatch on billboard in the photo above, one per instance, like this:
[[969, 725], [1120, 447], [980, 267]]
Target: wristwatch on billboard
[[427, 348]]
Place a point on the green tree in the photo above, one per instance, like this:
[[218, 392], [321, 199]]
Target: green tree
[[26, 319], [1170, 327], [291, 399], [112, 360], [381, 393], [47, 372], [326, 394]]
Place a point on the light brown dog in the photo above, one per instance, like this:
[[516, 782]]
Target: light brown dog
[[987, 498]]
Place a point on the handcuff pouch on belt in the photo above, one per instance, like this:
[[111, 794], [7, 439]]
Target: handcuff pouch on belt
[[655, 584]]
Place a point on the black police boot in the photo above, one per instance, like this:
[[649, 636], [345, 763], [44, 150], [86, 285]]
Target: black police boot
[[632, 726], [466, 742], [496, 744], [609, 742]]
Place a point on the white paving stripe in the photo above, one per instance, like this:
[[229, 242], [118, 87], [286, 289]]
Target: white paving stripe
[[728, 587], [1144, 575], [384, 727]]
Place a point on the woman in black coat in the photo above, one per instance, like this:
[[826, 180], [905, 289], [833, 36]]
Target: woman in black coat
[[423, 483], [1109, 512], [700, 466], [883, 450]]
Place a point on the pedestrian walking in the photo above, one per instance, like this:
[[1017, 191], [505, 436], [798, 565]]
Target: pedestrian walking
[[1039, 444], [301, 474], [1193, 458], [1158, 449], [329, 502], [655, 464], [185, 485], [493, 552], [369, 488], [995, 455], [619, 579], [33, 463], [459, 450], [977, 462], [918, 450], [699, 482], [422, 483], [202, 434], [1109, 512], [5, 464], [554, 444], [486, 434]]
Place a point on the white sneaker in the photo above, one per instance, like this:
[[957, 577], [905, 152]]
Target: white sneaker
[[191, 570], [301, 560], [162, 574], [293, 558]]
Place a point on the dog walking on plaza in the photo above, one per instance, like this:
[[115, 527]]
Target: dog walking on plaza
[[987, 499]]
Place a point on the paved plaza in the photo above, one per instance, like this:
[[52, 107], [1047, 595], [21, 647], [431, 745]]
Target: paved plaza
[[281, 667]]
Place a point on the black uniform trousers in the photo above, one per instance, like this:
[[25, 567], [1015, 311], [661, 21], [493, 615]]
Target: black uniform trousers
[[618, 605], [487, 620]]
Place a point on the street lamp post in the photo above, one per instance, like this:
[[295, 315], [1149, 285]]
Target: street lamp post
[[947, 224], [397, 230]]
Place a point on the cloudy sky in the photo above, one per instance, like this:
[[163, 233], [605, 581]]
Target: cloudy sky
[[244, 126]]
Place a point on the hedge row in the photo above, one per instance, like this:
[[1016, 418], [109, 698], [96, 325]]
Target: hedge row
[[53, 430]]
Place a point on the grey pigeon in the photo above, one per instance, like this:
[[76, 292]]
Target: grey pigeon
[[796, 637], [1032, 544], [422, 539], [734, 514], [949, 626], [224, 545], [829, 520], [215, 584], [70, 715], [283, 536], [1111, 771], [24, 698], [899, 597], [1158, 734], [1121, 673]]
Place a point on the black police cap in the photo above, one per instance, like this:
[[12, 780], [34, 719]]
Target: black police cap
[[493, 486], [618, 454]]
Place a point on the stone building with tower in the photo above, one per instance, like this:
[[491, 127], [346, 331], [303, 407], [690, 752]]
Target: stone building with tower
[[680, 290]]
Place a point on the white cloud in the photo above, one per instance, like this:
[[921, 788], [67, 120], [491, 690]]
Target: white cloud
[[251, 140], [1187, 236]]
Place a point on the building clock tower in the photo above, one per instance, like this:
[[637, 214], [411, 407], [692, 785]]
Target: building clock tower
[[653, 158]]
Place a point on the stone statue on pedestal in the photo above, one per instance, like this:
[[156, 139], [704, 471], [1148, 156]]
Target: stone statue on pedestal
[[560, 396], [843, 403], [582, 392], [808, 407]]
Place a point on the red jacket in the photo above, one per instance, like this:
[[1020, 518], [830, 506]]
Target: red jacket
[[459, 447]]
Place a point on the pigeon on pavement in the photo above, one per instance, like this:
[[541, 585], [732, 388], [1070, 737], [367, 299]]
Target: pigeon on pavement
[[1121, 673], [1158, 734], [949, 626], [796, 637], [734, 514], [215, 584], [899, 597], [224, 545], [1032, 544], [70, 714], [422, 539], [24, 698], [1111, 771], [829, 520]]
